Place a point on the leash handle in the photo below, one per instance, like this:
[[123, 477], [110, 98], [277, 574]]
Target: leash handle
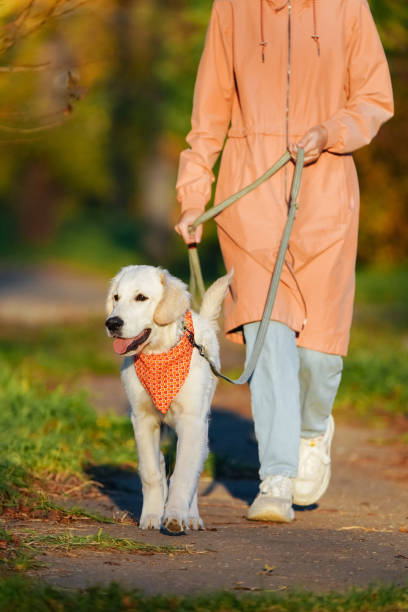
[[195, 267], [196, 278]]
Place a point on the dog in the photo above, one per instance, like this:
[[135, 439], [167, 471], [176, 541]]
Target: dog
[[166, 380]]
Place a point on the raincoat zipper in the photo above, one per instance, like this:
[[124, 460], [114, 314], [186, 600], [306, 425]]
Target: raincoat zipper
[[288, 76], [287, 195]]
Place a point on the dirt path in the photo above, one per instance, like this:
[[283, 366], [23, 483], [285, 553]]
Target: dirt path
[[356, 535]]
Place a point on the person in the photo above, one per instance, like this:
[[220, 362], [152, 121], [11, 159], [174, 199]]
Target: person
[[276, 75]]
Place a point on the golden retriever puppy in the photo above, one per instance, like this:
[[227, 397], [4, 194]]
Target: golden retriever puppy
[[166, 381]]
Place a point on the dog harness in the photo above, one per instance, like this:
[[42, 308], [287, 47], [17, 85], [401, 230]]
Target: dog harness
[[163, 374]]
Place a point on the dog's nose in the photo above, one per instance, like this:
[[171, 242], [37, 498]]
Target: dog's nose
[[114, 324]]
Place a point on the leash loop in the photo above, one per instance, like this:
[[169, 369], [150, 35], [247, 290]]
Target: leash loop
[[196, 278]]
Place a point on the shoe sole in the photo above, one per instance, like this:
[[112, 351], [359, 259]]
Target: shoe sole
[[308, 501], [272, 515]]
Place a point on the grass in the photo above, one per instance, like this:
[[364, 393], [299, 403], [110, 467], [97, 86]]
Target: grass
[[376, 369], [52, 434], [68, 541], [26, 596], [14, 554], [19, 551], [59, 353]]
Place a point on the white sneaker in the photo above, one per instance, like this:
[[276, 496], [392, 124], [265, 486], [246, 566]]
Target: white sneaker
[[314, 467], [274, 501]]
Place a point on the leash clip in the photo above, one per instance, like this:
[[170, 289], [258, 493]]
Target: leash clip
[[191, 339]]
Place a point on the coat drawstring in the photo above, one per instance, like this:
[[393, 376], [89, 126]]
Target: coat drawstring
[[315, 34], [263, 42]]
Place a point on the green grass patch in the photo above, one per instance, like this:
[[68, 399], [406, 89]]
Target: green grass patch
[[376, 369], [19, 551], [15, 555], [68, 541], [78, 512], [375, 374], [383, 285], [46, 433], [59, 353], [26, 596], [97, 242]]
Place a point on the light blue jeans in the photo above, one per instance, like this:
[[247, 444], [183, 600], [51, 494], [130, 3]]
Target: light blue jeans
[[292, 395]]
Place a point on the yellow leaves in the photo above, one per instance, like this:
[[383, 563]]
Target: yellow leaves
[[267, 570]]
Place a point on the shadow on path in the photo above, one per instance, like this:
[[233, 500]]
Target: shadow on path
[[234, 465]]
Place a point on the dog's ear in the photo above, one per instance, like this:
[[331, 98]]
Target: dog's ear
[[174, 302], [109, 305]]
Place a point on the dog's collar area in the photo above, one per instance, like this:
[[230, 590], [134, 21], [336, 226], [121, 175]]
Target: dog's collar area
[[201, 350], [191, 339]]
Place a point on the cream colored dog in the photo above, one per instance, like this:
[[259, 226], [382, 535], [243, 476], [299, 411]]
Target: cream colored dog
[[146, 307]]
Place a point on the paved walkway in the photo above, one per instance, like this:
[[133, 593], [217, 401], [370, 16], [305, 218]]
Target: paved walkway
[[358, 534], [37, 295]]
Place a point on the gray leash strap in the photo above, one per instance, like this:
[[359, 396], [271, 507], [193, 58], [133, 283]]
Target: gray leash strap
[[280, 260]]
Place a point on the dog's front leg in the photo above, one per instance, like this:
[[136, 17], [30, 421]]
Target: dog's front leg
[[147, 435], [192, 450], [194, 519]]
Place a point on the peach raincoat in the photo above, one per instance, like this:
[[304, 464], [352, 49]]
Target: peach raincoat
[[323, 64]]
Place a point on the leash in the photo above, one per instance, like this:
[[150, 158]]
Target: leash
[[196, 277]]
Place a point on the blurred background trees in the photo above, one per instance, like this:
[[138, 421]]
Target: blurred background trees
[[95, 103]]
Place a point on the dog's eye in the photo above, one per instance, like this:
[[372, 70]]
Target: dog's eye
[[141, 298], [116, 297]]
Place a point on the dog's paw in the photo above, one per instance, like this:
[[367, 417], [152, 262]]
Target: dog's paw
[[150, 521], [175, 521], [195, 523]]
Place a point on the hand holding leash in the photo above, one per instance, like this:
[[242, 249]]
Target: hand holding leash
[[184, 223]]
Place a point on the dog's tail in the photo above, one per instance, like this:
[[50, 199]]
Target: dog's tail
[[213, 298]]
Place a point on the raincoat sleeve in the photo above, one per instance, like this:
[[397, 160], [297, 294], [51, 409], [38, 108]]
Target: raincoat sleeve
[[370, 100], [211, 115]]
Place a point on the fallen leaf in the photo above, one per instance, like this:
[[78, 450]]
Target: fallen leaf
[[126, 601], [361, 528], [267, 570], [281, 588], [403, 529], [245, 588]]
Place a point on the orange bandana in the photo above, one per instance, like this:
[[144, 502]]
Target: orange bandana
[[164, 374]]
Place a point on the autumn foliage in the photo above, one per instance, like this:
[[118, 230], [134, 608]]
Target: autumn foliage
[[95, 102]]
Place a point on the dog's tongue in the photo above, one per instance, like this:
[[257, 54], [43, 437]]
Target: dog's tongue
[[120, 345], [123, 345]]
